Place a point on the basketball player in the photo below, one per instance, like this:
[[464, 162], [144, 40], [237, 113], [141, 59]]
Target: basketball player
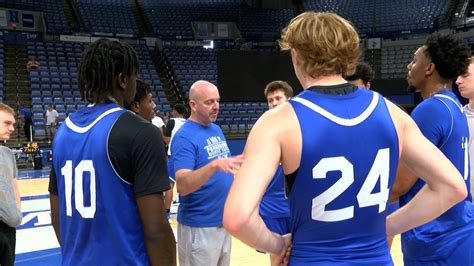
[[465, 84], [339, 147], [143, 104], [109, 171], [173, 125], [449, 239], [274, 206], [10, 213], [204, 172], [362, 76]]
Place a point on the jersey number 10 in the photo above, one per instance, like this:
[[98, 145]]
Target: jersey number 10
[[66, 171], [365, 198]]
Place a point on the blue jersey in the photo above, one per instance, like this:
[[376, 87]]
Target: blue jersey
[[339, 193], [274, 204], [442, 121], [193, 147], [90, 191]]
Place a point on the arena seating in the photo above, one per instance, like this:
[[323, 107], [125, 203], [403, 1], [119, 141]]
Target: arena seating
[[55, 82], [107, 16], [148, 74], [53, 10], [172, 21], [384, 16]]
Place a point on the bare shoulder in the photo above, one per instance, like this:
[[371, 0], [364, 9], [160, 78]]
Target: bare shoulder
[[404, 124], [279, 120], [399, 117]]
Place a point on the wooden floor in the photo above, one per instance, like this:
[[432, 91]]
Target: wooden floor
[[241, 254]]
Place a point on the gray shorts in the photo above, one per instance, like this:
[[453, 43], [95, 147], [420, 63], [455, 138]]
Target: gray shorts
[[203, 246]]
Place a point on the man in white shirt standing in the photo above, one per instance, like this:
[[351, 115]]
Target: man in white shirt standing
[[465, 83], [158, 121], [51, 122]]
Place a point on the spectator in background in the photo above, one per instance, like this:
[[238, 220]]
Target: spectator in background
[[27, 117], [170, 130], [10, 213], [362, 76], [33, 63], [51, 117], [158, 121]]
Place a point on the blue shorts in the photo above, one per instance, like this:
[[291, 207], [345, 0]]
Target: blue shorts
[[392, 207], [171, 174], [462, 255]]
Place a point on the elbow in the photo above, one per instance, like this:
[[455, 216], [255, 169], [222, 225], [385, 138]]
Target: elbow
[[182, 191], [182, 186], [459, 192], [234, 221]]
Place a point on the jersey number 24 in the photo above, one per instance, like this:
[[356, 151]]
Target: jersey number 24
[[365, 198]]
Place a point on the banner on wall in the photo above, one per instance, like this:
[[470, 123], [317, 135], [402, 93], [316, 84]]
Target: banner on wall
[[28, 20]]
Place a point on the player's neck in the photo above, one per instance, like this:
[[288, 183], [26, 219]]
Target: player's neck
[[327, 80], [433, 87], [471, 104]]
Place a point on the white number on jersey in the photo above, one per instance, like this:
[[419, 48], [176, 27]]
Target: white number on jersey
[[66, 171], [379, 170], [465, 147]]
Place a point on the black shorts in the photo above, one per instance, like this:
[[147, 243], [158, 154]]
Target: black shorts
[[7, 244]]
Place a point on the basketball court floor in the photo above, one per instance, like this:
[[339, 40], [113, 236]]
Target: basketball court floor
[[37, 244]]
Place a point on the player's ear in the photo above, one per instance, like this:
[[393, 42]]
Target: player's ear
[[135, 107], [430, 68], [122, 81]]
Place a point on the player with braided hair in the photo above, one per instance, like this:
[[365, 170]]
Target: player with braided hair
[[106, 191]]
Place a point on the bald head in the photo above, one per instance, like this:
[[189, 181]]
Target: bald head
[[199, 88], [204, 102]]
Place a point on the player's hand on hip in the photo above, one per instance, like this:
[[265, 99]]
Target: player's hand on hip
[[282, 258], [230, 165]]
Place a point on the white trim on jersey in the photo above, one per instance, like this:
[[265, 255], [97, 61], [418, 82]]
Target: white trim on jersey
[[450, 114], [81, 130], [341, 121], [108, 155], [449, 98]]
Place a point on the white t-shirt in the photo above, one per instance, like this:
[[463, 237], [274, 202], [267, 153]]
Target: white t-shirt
[[178, 122], [470, 121], [51, 117], [157, 121]]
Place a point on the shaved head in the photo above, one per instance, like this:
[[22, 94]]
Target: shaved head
[[199, 88], [204, 102]]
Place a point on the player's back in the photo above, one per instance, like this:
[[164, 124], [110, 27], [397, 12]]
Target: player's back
[[98, 216], [339, 193]]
